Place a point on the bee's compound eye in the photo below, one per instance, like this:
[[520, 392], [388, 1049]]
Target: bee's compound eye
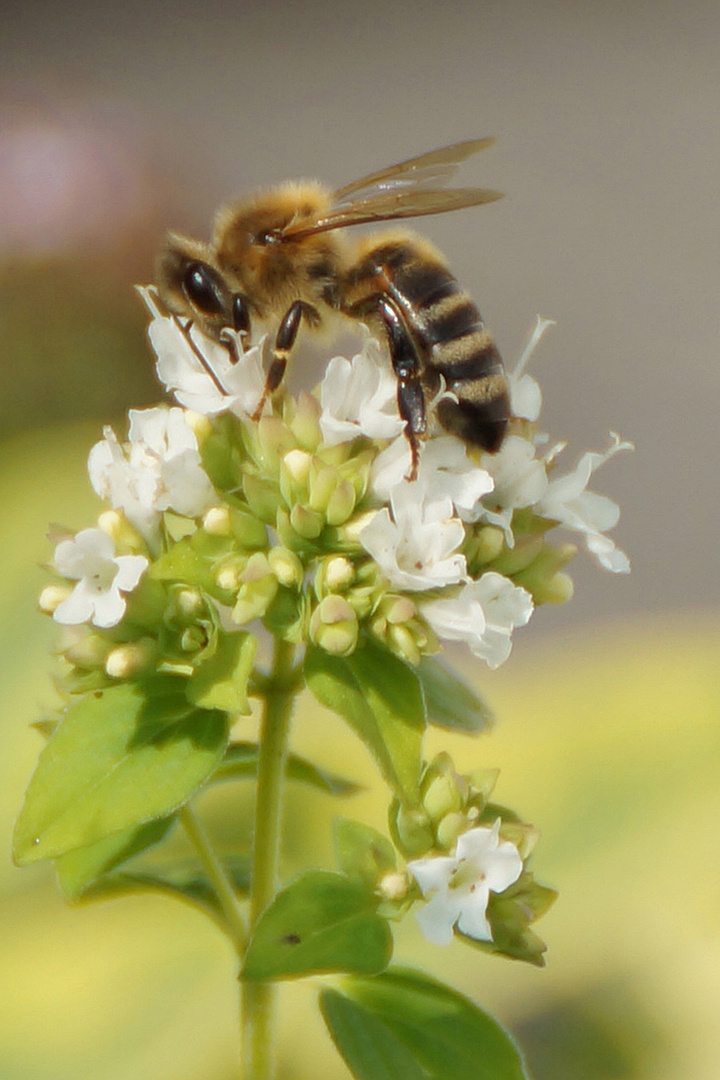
[[204, 289]]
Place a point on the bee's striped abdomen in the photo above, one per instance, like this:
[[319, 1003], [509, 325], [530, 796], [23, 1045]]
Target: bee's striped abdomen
[[454, 344]]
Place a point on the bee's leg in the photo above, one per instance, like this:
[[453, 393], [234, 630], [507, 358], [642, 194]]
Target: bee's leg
[[406, 365], [284, 341]]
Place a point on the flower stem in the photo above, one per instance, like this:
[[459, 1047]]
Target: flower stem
[[258, 998], [221, 883]]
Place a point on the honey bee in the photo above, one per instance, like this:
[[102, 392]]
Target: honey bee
[[280, 254]]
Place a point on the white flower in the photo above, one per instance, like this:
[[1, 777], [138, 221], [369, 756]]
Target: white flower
[[483, 615], [525, 395], [519, 479], [458, 887], [201, 373], [101, 577], [414, 547], [567, 502], [160, 469], [359, 397], [444, 470]]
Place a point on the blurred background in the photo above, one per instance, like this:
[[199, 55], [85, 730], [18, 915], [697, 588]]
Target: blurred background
[[118, 122]]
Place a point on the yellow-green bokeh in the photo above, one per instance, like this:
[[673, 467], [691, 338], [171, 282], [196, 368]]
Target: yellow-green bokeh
[[608, 739]]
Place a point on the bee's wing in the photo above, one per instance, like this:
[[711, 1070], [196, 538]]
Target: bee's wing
[[411, 189], [432, 169]]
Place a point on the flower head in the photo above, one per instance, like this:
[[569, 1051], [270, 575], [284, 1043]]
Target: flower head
[[457, 887], [102, 577], [159, 469]]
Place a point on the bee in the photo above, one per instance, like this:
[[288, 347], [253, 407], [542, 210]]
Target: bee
[[281, 254]]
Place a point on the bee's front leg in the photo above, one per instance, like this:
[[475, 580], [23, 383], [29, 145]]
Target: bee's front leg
[[284, 341]]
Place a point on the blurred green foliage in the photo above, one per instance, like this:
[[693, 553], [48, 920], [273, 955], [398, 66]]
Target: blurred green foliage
[[608, 737]]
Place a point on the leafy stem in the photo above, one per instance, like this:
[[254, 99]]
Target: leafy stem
[[237, 926], [258, 998]]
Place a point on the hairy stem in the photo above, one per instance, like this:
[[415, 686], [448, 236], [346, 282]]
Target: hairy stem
[[258, 998], [221, 882]]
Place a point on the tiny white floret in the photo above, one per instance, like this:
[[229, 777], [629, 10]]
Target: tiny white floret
[[102, 577], [359, 397], [457, 887]]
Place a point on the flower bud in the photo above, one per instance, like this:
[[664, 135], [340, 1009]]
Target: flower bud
[[130, 659], [295, 474], [305, 424], [200, 425], [323, 482], [307, 523], [89, 652], [413, 831], [442, 796], [216, 521], [189, 604], [393, 886], [257, 590], [52, 596], [286, 567], [543, 578], [117, 526], [484, 545], [449, 828], [333, 575], [334, 626], [341, 504]]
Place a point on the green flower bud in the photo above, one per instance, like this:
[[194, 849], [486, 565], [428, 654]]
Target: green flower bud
[[304, 422], [286, 567], [442, 796], [334, 626], [247, 530], [189, 604], [307, 523], [130, 659], [413, 830], [333, 575], [514, 560], [483, 545], [228, 575], [295, 476], [89, 653], [257, 590], [273, 440], [126, 537], [542, 578], [323, 481], [193, 639], [52, 596], [341, 504], [262, 496], [393, 886], [216, 521], [449, 828]]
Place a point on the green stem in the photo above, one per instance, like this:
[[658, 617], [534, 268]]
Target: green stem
[[219, 878], [258, 998]]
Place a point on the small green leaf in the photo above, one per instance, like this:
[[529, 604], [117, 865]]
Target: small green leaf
[[363, 854], [221, 681], [404, 1020], [241, 760], [321, 922], [182, 562], [78, 869], [369, 1048], [182, 883], [381, 699], [450, 702], [121, 757]]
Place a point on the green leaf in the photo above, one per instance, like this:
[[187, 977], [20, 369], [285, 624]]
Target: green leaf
[[363, 853], [78, 869], [121, 757], [369, 1048], [450, 702], [321, 922], [182, 883], [404, 1021], [381, 699], [241, 760], [221, 681]]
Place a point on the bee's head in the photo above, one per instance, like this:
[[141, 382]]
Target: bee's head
[[255, 249]]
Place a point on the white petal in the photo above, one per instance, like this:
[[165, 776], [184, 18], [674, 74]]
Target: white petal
[[437, 918], [473, 920], [432, 873], [130, 569], [109, 609]]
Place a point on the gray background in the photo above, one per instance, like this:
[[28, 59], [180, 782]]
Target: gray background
[[607, 116]]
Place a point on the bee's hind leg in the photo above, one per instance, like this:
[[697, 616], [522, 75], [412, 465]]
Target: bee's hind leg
[[407, 368]]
